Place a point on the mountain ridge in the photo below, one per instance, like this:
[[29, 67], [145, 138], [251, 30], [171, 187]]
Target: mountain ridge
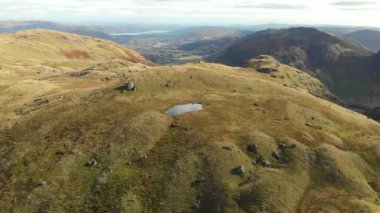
[[347, 68], [272, 42]]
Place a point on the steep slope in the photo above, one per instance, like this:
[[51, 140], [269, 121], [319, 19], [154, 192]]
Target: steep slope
[[368, 38], [356, 80], [304, 48], [81, 144]]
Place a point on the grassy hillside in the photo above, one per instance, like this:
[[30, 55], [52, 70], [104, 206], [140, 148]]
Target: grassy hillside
[[75, 142], [368, 38], [44, 46]]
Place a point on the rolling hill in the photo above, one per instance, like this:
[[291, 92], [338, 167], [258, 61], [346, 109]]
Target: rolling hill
[[77, 137], [44, 46], [368, 38]]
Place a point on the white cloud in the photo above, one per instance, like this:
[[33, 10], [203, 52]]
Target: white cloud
[[189, 11]]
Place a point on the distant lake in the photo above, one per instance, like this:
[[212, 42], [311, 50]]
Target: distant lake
[[139, 33]]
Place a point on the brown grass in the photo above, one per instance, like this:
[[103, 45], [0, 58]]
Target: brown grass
[[76, 54]]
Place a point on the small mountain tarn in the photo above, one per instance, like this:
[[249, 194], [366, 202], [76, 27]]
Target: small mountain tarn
[[185, 108]]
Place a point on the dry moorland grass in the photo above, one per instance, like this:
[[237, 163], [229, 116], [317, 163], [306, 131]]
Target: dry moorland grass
[[147, 161]]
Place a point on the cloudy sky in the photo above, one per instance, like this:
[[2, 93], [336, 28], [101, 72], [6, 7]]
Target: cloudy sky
[[351, 12]]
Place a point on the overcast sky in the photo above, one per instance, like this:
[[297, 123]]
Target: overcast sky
[[356, 12]]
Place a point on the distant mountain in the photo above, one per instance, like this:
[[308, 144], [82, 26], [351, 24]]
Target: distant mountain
[[14, 26], [350, 70], [304, 48], [368, 38]]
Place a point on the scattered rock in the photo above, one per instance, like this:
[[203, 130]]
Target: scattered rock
[[39, 183], [131, 86], [227, 147], [59, 152], [200, 179], [276, 156], [267, 70], [262, 207], [238, 170], [173, 124], [282, 146], [40, 101], [91, 163], [196, 204], [80, 73], [311, 156], [252, 148], [260, 161], [168, 83]]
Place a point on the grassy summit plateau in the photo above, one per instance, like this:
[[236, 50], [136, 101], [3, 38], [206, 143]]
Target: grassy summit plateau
[[71, 141]]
